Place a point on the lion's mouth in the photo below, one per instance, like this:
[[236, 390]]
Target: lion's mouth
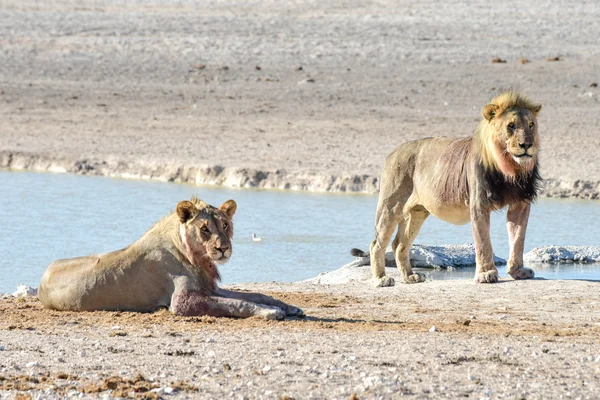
[[220, 257], [522, 155]]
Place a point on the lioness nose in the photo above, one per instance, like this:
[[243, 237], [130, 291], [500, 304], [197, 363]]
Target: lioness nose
[[223, 249], [525, 145]]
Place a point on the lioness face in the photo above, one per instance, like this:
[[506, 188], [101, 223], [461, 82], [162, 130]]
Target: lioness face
[[207, 230]]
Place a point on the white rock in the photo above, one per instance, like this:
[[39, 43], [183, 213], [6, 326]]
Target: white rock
[[420, 256], [169, 390], [158, 391], [32, 364], [210, 340], [432, 329], [266, 369], [24, 291], [563, 254], [211, 354]]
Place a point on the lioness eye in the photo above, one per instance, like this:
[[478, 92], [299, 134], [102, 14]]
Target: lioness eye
[[531, 124], [225, 226], [204, 229], [511, 125]]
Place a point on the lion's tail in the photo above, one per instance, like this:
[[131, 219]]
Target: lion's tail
[[358, 253]]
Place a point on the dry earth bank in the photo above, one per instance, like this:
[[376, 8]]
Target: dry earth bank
[[532, 340], [300, 95]]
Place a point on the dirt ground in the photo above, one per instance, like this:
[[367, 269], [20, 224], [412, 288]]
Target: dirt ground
[[441, 339], [301, 95]]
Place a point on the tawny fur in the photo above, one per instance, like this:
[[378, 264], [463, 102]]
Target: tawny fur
[[173, 265]]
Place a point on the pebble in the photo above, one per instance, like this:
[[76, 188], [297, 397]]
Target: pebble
[[266, 369], [158, 391], [169, 390], [211, 354], [2, 348], [210, 340], [32, 364], [432, 329]]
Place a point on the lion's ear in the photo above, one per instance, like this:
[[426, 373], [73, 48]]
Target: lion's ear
[[229, 208], [489, 111], [186, 210], [536, 109]]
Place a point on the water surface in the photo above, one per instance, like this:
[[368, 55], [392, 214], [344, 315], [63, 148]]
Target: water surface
[[47, 216]]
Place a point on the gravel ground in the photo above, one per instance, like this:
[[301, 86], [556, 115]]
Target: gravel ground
[[301, 95], [442, 339]]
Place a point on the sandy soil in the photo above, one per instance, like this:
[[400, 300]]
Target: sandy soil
[[530, 340], [302, 95]]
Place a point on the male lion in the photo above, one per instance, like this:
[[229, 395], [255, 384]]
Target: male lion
[[173, 265], [458, 180]]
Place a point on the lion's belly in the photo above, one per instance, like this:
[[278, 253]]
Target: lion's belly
[[457, 215]]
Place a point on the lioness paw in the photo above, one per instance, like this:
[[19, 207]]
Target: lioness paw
[[383, 281], [271, 313], [292, 311], [522, 273], [417, 277], [487, 277]]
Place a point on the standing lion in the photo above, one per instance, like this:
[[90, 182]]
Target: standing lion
[[462, 180]]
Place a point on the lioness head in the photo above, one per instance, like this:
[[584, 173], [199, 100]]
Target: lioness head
[[512, 131], [206, 231]]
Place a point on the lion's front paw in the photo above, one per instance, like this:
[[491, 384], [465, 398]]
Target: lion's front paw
[[292, 311], [383, 281], [522, 273], [271, 313], [417, 277], [487, 277]]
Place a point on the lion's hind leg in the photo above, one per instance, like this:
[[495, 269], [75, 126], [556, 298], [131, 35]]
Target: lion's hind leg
[[407, 232], [385, 225]]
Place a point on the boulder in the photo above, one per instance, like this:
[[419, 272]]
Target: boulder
[[421, 256], [563, 255]]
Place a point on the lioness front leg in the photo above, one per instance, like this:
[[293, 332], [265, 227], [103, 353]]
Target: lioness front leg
[[259, 298], [516, 224], [486, 271], [194, 303]]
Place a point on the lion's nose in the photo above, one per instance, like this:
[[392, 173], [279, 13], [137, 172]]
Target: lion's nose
[[525, 145]]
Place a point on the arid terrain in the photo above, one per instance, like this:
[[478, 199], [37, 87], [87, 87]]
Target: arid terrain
[[443, 339], [297, 95], [301, 95]]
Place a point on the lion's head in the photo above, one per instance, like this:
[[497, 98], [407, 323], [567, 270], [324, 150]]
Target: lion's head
[[206, 231], [510, 133]]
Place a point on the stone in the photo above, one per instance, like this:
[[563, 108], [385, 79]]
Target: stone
[[421, 256], [24, 291], [563, 255]]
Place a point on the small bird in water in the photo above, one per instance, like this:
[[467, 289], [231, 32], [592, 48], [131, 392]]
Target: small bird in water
[[255, 238]]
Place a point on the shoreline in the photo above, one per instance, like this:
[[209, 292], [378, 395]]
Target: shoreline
[[244, 178]]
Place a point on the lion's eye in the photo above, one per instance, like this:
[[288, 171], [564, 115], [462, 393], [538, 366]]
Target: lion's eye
[[511, 126], [204, 229], [225, 225], [531, 124]]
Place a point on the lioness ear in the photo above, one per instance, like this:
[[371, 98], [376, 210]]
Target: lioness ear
[[536, 109], [186, 210], [229, 208], [489, 111]]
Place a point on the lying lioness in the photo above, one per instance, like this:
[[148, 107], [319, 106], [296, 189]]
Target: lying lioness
[[173, 265], [460, 180]]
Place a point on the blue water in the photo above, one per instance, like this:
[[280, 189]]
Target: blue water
[[47, 216]]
